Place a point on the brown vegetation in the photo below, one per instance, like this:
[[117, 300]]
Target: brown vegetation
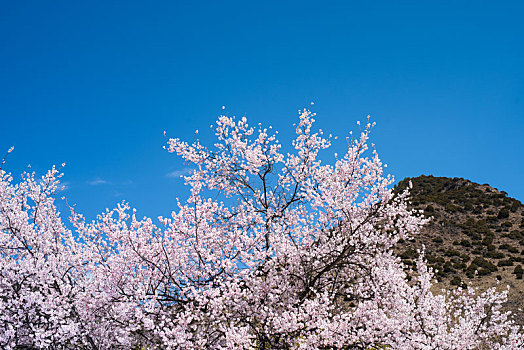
[[476, 236]]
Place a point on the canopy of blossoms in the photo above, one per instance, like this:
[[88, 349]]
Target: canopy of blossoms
[[271, 250]]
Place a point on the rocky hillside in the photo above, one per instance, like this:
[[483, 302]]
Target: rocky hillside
[[476, 236]]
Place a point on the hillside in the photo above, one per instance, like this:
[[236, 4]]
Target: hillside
[[476, 236]]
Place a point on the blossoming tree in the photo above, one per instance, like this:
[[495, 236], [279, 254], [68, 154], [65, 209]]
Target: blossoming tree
[[270, 251]]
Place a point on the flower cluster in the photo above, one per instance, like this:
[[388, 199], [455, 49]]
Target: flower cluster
[[270, 251]]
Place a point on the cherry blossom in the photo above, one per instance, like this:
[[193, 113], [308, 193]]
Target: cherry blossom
[[271, 250]]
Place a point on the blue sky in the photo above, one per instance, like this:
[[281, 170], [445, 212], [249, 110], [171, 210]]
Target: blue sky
[[95, 83]]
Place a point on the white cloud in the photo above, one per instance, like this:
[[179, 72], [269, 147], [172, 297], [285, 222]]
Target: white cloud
[[180, 172], [97, 181]]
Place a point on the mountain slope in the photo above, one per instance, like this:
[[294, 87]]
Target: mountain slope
[[476, 236]]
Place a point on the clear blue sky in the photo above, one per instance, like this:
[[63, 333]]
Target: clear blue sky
[[95, 83]]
